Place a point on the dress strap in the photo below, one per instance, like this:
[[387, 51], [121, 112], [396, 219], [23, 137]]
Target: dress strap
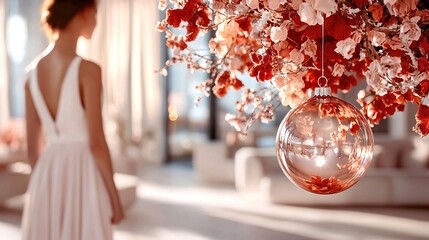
[[40, 106]]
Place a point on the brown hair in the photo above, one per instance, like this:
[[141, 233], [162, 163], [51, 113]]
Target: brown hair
[[56, 14]]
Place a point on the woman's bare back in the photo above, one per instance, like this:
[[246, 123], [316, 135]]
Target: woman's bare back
[[51, 71]]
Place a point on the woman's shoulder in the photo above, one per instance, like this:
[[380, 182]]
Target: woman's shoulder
[[89, 68], [35, 62], [29, 70], [32, 66], [90, 74]]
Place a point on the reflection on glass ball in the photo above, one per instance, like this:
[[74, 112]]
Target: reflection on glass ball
[[324, 145]]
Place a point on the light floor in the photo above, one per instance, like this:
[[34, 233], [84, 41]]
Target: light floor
[[172, 206]]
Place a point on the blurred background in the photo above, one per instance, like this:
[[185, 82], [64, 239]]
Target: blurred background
[[183, 172]]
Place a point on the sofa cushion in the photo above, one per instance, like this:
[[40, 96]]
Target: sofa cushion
[[372, 190], [418, 156], [411, 190], [127, 188], [393, 152], [14, 181]]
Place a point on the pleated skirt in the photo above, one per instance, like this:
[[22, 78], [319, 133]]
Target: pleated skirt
[[66, 198]]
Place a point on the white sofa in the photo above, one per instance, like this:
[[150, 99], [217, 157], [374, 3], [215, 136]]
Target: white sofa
[[213, 160], [212, 164], [394, 179], [14, 174]]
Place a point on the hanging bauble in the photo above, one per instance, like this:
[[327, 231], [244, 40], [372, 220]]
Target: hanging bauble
[[324, 145]]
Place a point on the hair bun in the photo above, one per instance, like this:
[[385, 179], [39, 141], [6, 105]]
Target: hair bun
[[57, 14]]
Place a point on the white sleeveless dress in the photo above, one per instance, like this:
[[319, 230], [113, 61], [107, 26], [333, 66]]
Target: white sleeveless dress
[[66, 198]]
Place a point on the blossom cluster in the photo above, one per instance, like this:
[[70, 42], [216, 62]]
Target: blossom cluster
[[382, 42]]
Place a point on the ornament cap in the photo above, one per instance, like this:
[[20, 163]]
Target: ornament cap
[[323, 91]]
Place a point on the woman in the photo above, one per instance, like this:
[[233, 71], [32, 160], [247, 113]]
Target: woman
[[71, 195]]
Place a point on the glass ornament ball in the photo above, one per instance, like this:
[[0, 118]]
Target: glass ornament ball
[[324, 145]]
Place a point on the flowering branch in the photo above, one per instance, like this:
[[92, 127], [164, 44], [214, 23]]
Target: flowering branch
[[279, 41]]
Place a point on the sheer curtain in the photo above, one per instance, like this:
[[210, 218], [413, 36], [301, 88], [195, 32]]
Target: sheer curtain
[[128, 47], [4, 104]]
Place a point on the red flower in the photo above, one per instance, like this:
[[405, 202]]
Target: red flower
[[173, 17], [312, 32], [195, 13], [405, 63], [424, 46], [220, 90], [407, 97], [173, 43], [263, 71], [422, 88], [422, 120], [310, 79], [189, 10], [192, 31], [397, 53], [377, 11], [376, 107], [245, 23], [224, 81], [360, 3], [359, 67], [423, 64], [203, 18], [182, 44], [338, 26], [346, 82]]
